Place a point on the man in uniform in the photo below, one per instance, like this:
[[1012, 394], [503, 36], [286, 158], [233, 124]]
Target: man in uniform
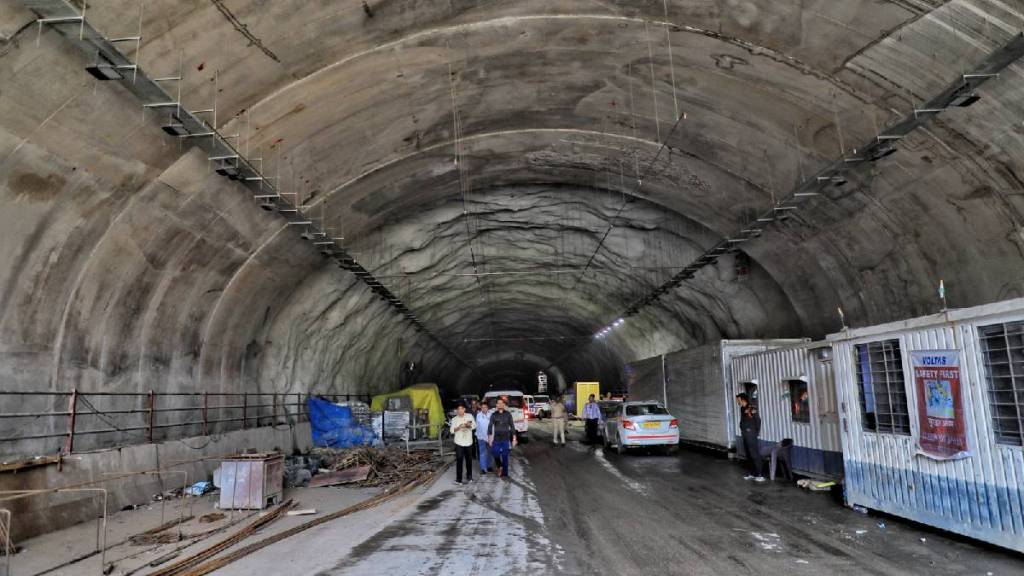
[[558, 418]]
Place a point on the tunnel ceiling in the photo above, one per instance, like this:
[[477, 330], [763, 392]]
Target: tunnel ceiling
[[478, 157]]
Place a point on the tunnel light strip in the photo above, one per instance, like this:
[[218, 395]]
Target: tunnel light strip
[[608, 329]]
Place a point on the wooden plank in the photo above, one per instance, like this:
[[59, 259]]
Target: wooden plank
[[357, 474], [30, 463]]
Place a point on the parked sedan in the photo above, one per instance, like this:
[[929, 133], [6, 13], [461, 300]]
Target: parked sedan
[[636, 424]]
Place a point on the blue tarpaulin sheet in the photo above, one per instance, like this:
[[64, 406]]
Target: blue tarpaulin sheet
[[334, 427]]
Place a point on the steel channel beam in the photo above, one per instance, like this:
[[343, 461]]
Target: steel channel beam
[[879, 147], [66, 18]]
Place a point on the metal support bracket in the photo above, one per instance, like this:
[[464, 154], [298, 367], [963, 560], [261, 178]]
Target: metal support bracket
[[66, 18], [960, 93]]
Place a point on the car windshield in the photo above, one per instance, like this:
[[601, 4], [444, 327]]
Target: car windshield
[[608, 405], [644, 410], [540, 399], [510, 401]]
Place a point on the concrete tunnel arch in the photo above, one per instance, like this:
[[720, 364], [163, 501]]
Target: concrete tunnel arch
[[168, 277]]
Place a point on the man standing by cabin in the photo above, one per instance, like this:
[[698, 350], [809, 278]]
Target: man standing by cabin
[[462, 428], [591, 416], [483, 423], [501, 436], [558, 418], [750, 429]]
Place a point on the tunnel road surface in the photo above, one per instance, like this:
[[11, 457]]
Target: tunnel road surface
[[694, 514], [578, 510]]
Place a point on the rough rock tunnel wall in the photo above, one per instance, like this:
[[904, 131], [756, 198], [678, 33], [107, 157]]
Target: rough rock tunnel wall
[[129, 266]]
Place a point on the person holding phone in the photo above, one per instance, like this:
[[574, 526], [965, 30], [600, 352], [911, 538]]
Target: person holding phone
[[462, 427]]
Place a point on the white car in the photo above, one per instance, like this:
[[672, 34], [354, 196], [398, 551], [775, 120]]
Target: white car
[[515, 403], [635, 424], [539, 405]]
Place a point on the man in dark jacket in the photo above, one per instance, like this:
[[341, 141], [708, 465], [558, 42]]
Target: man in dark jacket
[[750, 429], [501, 436]]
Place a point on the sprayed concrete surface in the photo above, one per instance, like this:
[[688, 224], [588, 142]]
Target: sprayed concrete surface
[[128, 265]]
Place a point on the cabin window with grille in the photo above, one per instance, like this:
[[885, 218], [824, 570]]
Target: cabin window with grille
[[751, 389], [883, 391], [799, 401], [1002, 347]]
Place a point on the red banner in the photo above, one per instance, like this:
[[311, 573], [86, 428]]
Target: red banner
[[940, 404]]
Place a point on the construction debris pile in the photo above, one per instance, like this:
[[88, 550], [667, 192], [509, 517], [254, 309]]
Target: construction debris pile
[[383, 466]]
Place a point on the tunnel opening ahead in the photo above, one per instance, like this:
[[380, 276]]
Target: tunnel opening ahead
[[516, 369]]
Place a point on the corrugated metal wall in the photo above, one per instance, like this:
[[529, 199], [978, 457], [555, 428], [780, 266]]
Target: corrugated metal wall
[[645, 380], [698, 386], [981, 496], [694, 388], [816, 443]]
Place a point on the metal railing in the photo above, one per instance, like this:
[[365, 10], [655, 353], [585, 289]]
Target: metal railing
[[74, 420], [423, 440]]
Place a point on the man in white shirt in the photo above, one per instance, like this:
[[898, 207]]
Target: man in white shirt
[[483, 419], [462, 427]]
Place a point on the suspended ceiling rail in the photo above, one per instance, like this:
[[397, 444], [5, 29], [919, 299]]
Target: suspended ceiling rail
[[960, 93], [111, 64]]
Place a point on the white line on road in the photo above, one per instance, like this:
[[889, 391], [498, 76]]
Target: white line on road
[[629, 482]]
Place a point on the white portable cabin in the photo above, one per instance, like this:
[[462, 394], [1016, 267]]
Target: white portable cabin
[[981, 494], [696, 387], [645, 379], [796, 397]]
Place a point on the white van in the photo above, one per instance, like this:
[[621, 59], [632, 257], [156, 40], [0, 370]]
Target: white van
[[515, 403]]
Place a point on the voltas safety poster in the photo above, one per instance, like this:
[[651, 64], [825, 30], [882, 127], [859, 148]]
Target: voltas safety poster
[[940, 404]]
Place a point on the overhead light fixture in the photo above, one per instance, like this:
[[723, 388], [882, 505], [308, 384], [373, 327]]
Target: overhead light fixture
[[101, 72], [229, 170], [104, 69], [965, 100], [882, 152], [175, 129]]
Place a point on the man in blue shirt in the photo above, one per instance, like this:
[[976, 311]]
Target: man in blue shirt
[[591, 416], [483, 421]]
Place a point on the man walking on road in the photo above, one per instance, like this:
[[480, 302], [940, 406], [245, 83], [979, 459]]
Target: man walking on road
[[591, 415], [558, 417], [474, 408], [483, 421], [501, 436], [750, 429], [462, 427]]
